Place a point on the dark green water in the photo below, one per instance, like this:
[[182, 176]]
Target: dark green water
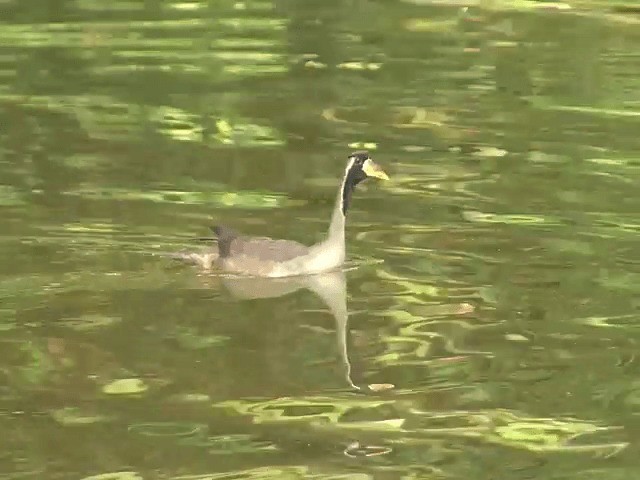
[[493, 289]]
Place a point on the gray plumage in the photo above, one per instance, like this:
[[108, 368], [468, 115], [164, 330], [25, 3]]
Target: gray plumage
[[268, 257], [231, 244]]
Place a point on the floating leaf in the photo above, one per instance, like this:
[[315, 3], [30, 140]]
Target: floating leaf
[[357, 450], [246, 134], [490, 152], [516, 337], [528, 433], [314, 64], [115, 476], [379, 425], [381, 387], [360, 65], [125, 386], [609, 162]]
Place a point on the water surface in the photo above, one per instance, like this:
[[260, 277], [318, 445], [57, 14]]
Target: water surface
[[492, 293]]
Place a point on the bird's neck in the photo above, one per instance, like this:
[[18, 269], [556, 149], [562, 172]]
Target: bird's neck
[[338, 219]]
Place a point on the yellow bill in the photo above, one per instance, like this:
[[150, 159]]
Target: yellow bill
[[372, 169]]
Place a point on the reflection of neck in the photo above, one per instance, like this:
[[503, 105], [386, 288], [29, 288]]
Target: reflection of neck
[[332, 288]]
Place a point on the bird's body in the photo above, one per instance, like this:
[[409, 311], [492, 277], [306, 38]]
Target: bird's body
[[268, 257]]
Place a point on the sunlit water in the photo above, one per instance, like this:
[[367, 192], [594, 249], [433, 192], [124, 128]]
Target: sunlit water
[[487, 324]]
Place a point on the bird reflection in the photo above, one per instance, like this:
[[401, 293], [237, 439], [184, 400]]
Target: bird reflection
[[331, 287]]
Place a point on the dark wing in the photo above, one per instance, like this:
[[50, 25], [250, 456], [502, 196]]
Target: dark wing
[[230, 244]]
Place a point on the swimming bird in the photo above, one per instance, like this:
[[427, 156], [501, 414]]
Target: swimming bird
[[268, 257]]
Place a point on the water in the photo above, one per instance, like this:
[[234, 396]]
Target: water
[[492, 288]]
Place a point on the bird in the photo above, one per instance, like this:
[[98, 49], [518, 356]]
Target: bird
[[277, 258]]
